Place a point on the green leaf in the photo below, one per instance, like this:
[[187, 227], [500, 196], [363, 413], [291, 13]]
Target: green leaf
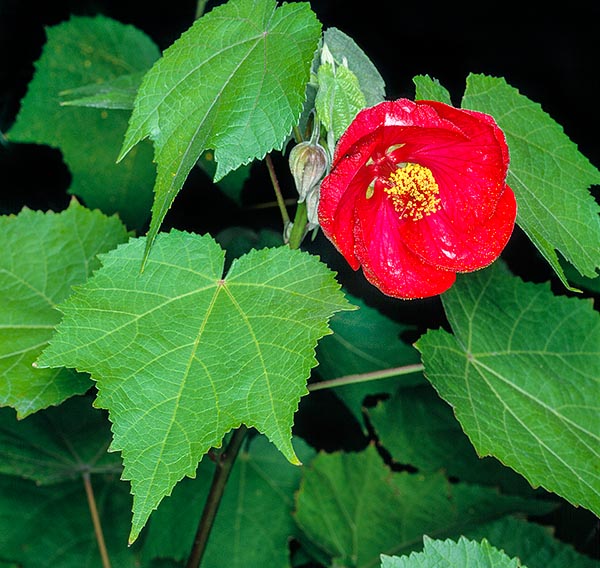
[[57, 444], [118, 93], [254, 521], [534, 544], [339, 98], [549, 176], [79, 52], [354, 508], [419, 429], [345, 51], [522, 374], [364, 341], [44, 254], [449, 554], [232, 184], [182, 355], [428, 89], [51, 526], [234, 83]]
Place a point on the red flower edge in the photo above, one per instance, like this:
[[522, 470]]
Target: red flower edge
[[416, 193]]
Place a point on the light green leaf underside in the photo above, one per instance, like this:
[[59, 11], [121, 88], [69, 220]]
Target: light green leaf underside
[[181, 355], [57, 444], [449, 554], [234, 83], [354, 508], [428, 89], [534, 544], [345, 51], [254, 521], [522, 372], [549, 176], [365, 340], [79, 52], [44, 254]]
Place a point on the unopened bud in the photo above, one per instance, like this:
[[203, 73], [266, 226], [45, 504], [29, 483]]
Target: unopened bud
[[308, 163]]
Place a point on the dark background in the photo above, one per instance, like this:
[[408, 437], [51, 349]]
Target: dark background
[[549, 53]]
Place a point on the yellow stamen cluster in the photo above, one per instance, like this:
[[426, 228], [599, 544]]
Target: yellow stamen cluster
[[414, 192]]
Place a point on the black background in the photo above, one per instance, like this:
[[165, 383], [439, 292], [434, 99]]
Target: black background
[[550, 53]]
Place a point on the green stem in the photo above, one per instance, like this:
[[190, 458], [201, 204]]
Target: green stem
[[275, 182], [200, 7], [89, 491], [215, 494], [364, 377], [299, 228]]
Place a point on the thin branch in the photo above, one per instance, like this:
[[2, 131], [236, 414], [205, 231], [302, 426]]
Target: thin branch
[[280, 201], [364, 377], [89, 491], [200, 7], [213, 500]]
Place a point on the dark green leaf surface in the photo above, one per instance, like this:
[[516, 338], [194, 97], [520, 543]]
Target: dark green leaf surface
[[449, 554], [419, 429], [254, 522], [354, 508], [79, 52], [181, 355], [57, 444], [533, 544], [52, 527], [364, 340], [233, 83], [522, 372], [44, 254], [549, 176]]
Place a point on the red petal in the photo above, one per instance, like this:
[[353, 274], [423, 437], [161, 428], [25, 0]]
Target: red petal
[[439, 241], [386, 262]]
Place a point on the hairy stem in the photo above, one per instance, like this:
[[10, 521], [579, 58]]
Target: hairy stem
[[89, 491], [364, 377], [299, 228], [200, 7], [222, 471], [275, 182]]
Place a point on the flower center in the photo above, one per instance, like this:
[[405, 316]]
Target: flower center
[[413, 191]]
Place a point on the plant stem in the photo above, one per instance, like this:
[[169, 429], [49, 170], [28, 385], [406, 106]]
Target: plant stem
[[200, 7], [222, 471], [364, 377], [89, 491], [299, 228], [280, 201]]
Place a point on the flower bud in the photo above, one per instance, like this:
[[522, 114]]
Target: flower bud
[[308, 163]]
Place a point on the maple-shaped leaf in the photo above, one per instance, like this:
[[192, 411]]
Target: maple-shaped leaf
[[182, 355], [234, 82], [43, 255], [522, 373]]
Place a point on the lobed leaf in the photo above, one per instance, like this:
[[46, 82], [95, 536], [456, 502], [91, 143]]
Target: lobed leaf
[[522, 372], [233, 83], [549, 176], [182, 355], [44, 255], [79, 52]]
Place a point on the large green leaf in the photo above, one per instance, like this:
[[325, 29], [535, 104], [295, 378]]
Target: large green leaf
[[254, 522], [51, 526], [234, 83], [354, 508], [79, 52], [43, 255], [449, 554], [181, 354], [522, 372], [419, 429], [549, 176], [532, 543], [57, 444]]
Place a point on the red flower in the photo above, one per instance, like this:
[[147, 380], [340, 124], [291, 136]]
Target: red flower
[[417, 192]]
